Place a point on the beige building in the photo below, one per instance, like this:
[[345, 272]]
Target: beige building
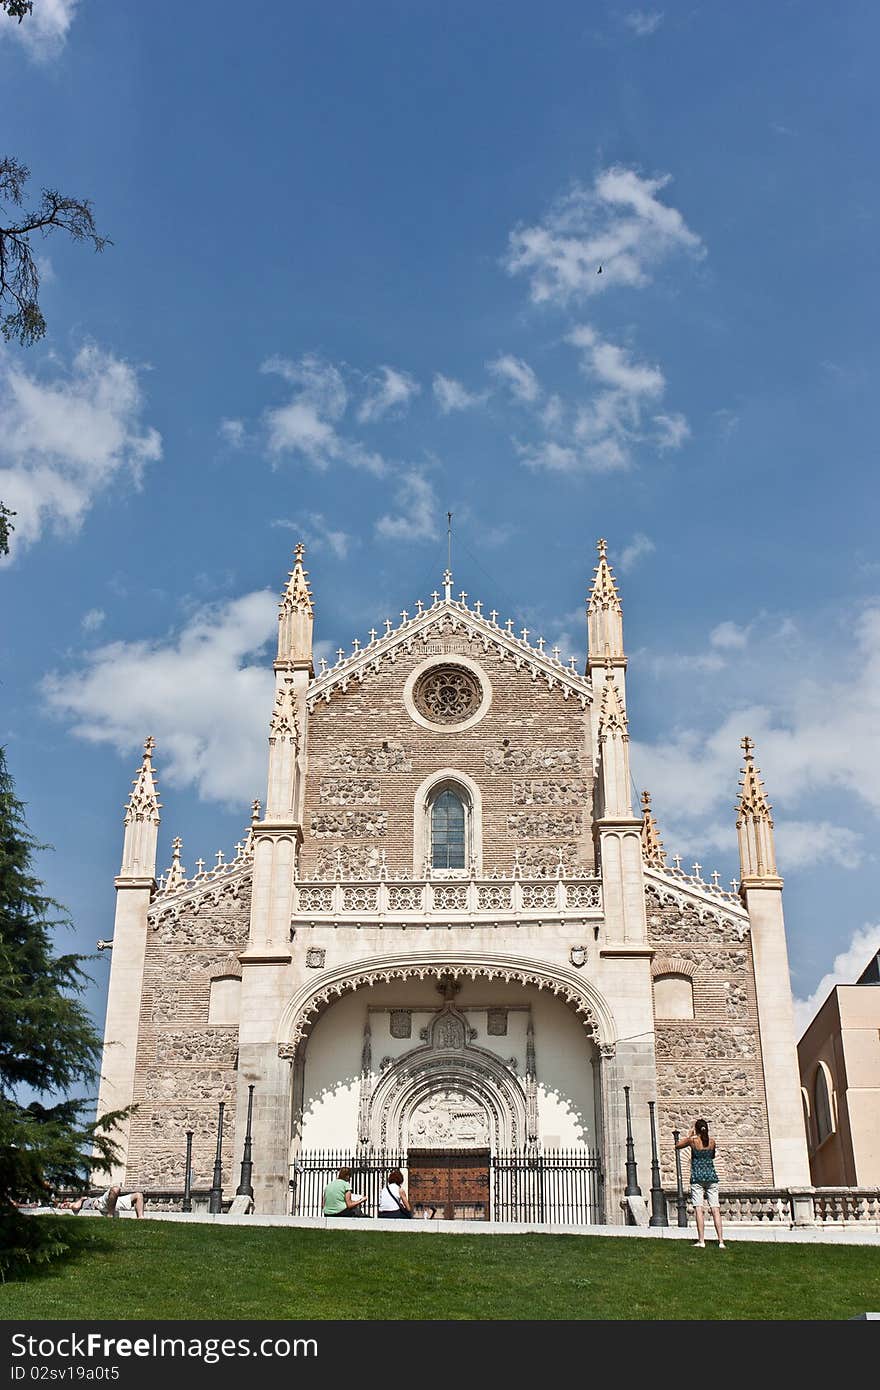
[[448, 936], [839, 1058]]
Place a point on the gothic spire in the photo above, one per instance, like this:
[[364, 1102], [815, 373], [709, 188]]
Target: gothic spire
[[177, 873], [754, 823], [143, 803], [653, 852], [296, 615], [142, 820], [604, 613]]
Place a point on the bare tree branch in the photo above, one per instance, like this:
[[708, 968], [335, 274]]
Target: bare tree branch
[[19, 275]]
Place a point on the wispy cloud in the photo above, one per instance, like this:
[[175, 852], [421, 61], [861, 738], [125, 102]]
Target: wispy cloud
[[600, 435], [66, 439], [307, 424], [42, 33], [640, 546], [233, 433], [205, 693], [389, 392], [450, 395], [643, 23], [92, 620], [314, 529], [518, 376], [415, 510], [845, 970], [614, 233]]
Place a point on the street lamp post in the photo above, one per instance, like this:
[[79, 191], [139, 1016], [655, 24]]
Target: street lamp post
[[187, 1174], [680, 1202], [659, 1214], [215, 1204], [246, 1187], [632, 1176]]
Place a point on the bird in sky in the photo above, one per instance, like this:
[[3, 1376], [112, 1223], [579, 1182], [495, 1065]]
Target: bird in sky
[[599, 271]]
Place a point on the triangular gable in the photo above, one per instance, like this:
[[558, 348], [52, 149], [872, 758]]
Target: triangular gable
[[444, 617]]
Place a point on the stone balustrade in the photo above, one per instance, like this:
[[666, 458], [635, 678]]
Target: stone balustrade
[[794, 1207], [490, 899]]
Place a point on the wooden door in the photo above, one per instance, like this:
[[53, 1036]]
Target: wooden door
[[454, 1182]]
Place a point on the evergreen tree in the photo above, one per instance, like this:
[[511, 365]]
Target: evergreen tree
[[48, 1048]]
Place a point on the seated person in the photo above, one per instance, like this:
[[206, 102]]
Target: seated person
[[339, 1200]]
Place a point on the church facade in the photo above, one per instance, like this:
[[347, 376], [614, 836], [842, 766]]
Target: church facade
[[448, 932]]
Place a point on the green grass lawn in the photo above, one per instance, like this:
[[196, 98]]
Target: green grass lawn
[[128, 1269]]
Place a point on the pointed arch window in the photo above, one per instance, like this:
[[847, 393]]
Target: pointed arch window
[[822, 1104], [449, 829]]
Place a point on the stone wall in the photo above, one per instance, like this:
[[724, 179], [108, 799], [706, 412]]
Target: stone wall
[[184, 1064], [529, 755], [711, 1066]]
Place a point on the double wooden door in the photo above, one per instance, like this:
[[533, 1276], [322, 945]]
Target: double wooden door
[[454, 1182]]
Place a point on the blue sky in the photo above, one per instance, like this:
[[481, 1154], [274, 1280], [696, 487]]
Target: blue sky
[[353, 285]]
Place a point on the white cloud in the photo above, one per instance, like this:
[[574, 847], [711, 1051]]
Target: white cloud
[[818, 738], [518, 376], [43, 33], [846, 969], [643, 22], [233, 433], [91, 621], [451, 395], [640, 546], [416, 510], [619, 224], [306, 425], [389, 392], [205, 692], [66, 440], [314, 529], [729, 637], [604, 431]]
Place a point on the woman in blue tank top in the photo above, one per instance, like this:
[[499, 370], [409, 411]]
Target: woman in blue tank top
[[704, 1179]]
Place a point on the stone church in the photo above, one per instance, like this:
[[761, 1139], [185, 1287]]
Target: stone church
[[448, 939]]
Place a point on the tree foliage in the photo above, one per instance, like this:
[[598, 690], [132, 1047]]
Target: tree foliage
[[48, 1048], [19, 272], [17, 8]]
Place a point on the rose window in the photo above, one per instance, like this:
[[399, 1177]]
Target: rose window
[[448, 694]]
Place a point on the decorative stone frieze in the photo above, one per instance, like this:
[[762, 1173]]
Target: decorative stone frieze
[[196, 1046], [531, 759], [389, 757], [347, 791], [539, 862], [689, 1043], [542, 793], [346, 823], [538, 825], [348, 861], [191, 1084]]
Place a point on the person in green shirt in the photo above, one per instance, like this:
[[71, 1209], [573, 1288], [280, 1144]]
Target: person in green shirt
[[339, 1199]]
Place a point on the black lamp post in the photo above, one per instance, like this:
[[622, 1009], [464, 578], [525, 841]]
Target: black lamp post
[[680, 1202], [246, 1187], [187, 1174], [215, 1204], [659, 1215], [632, 1177]]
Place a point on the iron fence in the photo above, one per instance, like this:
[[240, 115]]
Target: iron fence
[[556, 1186]]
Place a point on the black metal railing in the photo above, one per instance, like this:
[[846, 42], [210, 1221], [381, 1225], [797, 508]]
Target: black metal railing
[[556, 1186]]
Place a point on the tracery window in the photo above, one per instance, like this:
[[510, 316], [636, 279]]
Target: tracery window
[[448, 831], [447, 694]]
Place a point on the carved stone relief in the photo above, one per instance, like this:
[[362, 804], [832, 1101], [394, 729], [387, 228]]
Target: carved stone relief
[[400, 1023], [496, 1023], [449, 1118], [315, 957]]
